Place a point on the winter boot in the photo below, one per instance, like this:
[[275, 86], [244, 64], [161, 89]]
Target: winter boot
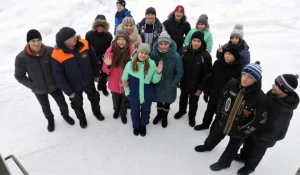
[[124, 119], [164, 118], [143, 131], [217, 166], [239, 158], [179, 114], [192, 121], [245, 171], [201, 127], [83, 123], [105, 92], [116, 114], [51, 125], [136, 131], [69, 119], [158, 116], [201, 148], [99, 116]]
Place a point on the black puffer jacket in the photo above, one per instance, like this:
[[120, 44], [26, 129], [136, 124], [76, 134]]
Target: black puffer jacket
[[177, 30], [40, 79], [280, 112], [197, 67], [249, 103]]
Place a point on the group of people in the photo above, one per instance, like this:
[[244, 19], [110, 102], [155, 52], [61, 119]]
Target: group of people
[[145, 63]]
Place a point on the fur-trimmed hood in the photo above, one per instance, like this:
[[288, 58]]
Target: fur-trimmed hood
[[171, 18], [100, 22], [134, 37]]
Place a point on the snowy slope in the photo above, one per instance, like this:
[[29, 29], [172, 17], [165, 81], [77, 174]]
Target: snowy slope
[[271, 29]]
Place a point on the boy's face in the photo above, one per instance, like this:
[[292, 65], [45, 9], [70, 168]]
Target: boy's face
[[196, 43], [150, 18], [35, 45], [119, 7], [276, 90], [247, 80]]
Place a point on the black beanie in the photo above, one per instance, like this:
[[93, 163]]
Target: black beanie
[[66, 32], [100, 16], [122, 2], [287, 82], [199, 35], [150, 10], [233, 49], [33, 34]]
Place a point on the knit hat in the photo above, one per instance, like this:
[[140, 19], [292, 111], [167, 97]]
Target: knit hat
[[199, 35], [100, 16], [179, 8], [253, 70], [144, 47], [122, 33], [33, 34], [287, 82], [150, 10], [128, 20], [238, 31], [122, 2], [203, 19], [233, 49], [66, 32], [164, 37]]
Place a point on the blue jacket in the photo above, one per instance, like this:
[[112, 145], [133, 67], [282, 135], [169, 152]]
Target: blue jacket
[[119, 16], [140, 85], [75, 70], [166, 90]]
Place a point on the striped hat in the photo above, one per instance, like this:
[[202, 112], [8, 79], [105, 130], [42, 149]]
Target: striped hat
[[287, 82], [253, 70]]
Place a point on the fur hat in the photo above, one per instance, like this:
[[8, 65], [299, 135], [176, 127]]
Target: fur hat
[[287, 82], [179, 8], [203, 19], [66, 32], [164, 37], [101, 22], [238, 31], [128, 20], [144, 47], [33, 34], [122, 2], [122, 33], [253, 70], [100, 16], [150, 10], [233, 49]]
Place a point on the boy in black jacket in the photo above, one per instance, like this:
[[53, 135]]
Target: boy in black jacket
[[282, 101], [197, 64], [241, 109]]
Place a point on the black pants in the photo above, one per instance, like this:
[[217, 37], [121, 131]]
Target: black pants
[[77, 102], [215, 122], [252, 153], [230, 151], [165, 106], [214, 137], [102, 82], [209, 113], [187, 97], [60, 100], [120, 103]]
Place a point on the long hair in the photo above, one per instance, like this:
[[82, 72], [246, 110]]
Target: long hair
[[121, 55], [135, 67], [240, 43]]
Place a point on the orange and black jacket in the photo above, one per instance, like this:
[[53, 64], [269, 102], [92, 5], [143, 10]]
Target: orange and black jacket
[[75, 70]]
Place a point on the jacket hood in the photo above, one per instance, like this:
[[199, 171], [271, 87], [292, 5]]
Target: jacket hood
[[173, 47], [133, 36], [291, 101], [100, 22]]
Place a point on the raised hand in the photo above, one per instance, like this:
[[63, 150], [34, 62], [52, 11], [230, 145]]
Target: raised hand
[[159, 67], [220, 49], [107, 59]]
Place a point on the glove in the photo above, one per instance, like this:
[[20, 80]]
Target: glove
[[205, 98]]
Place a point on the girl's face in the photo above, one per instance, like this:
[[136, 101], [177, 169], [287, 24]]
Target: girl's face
[[164, 46], [234, 40], [128, 28], [229, 58], [196, 43], [142, 55], [201, 26], [121, 41], [247, 80]]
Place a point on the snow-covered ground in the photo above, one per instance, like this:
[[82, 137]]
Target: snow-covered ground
[[271, 29]]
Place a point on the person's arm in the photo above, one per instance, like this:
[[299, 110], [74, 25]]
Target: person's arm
[[178, 71], [207, 67], [20, 74], [188, 37], [94, 62], [125, 77], [209, 43]]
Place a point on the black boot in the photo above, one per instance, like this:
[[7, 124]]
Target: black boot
[[116, 114], [99, 116], [245, 171], [239, 158], [201, 127], [158, 116], [192, 121], [136, 131], [51, 125], [201, 148], [83, 123], [143, 131], [217, 166], [164, 118], [179, 114], [69, 119], [124, 119], [105, 92]]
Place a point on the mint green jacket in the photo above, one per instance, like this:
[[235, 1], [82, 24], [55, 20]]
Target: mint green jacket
[[207, 38]]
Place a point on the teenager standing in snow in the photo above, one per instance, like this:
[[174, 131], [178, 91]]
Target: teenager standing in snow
[[133, 33], [121, 13], [197, 64], [35, 61], [203, 26], [282, 101], [223, 70], [141, 72], [150, 27], [165, 91], [242, 109], [115, 59], [237, 37], [75, 68], [177, 26], [100, 39]]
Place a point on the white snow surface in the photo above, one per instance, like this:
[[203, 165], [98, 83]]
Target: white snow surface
[[271, 29]]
